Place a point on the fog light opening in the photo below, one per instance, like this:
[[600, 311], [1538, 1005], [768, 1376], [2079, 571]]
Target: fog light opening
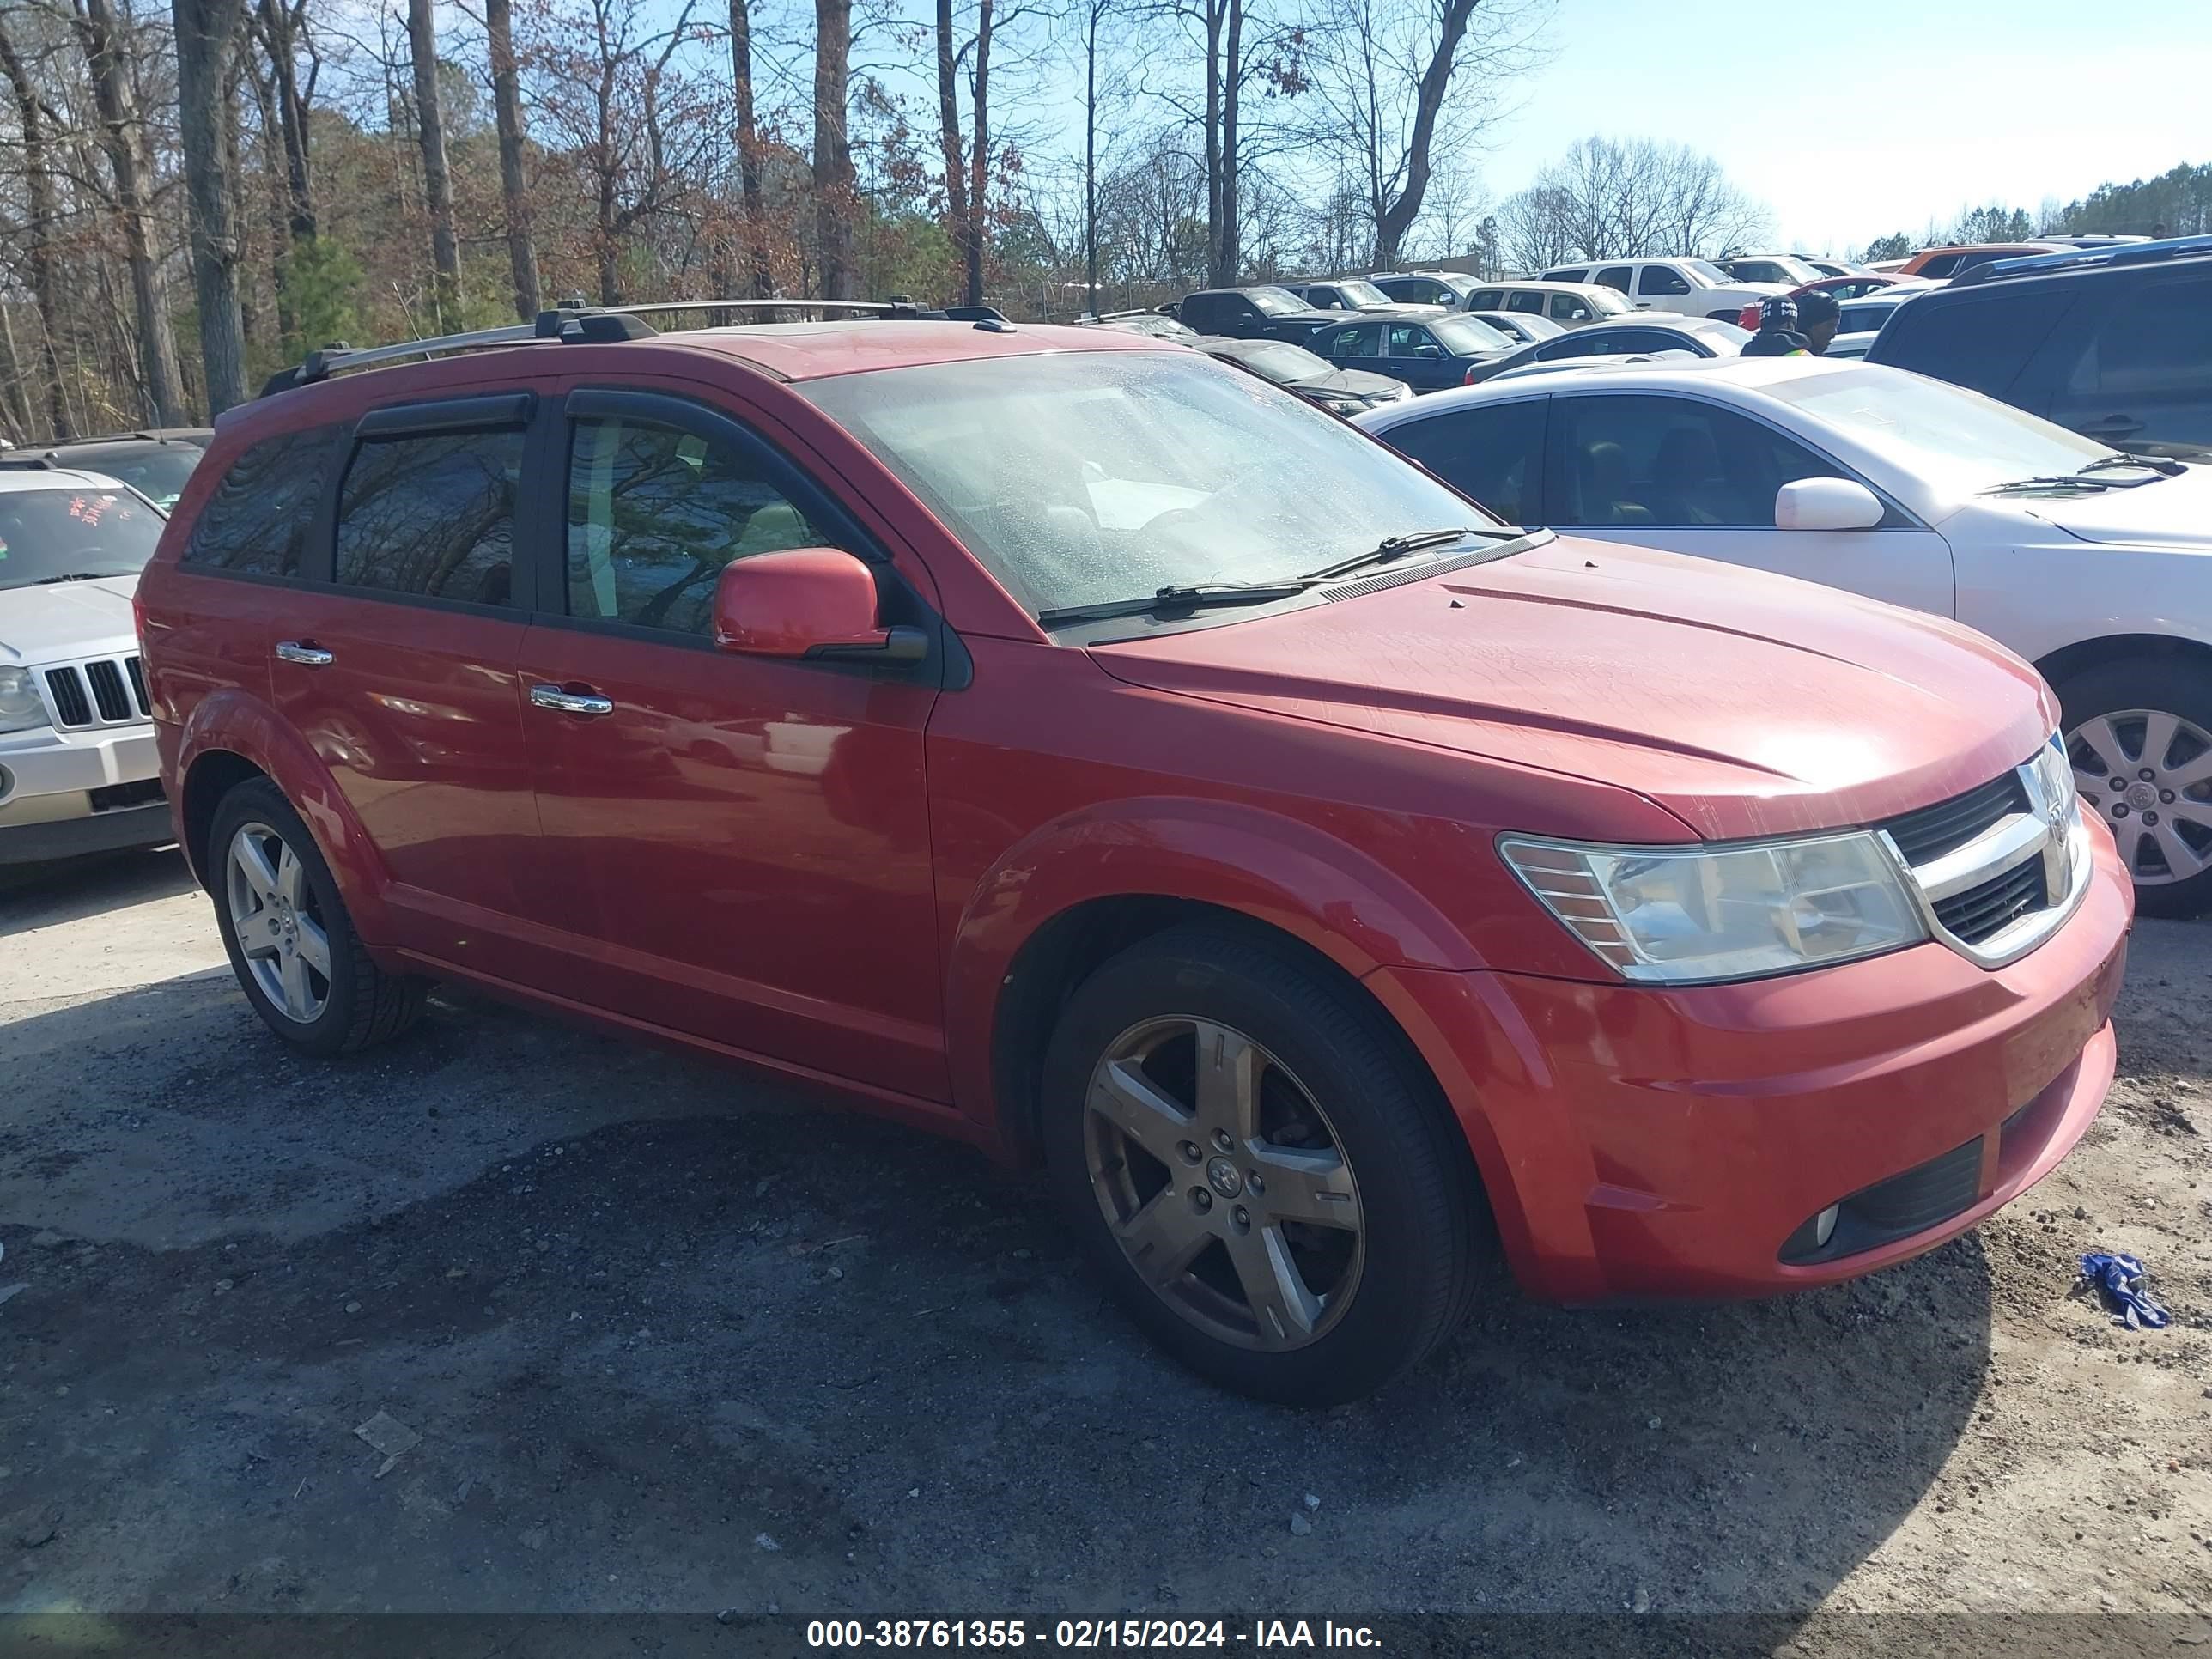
[[1812, 1234]]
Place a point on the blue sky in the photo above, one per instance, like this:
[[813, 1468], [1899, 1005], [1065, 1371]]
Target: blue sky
[[1885, 115]]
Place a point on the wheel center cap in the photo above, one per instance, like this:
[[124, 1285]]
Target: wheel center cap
[[2142, 795], [1223, 1174]]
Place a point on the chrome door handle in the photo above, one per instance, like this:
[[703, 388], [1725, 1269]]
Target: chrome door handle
[[570, 702], [310, 656]]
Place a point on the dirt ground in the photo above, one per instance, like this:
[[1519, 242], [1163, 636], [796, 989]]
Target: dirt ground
[[653, 1336]]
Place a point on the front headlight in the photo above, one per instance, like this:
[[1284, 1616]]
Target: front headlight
[[20, 705], [1686, 914], [1346, 405]]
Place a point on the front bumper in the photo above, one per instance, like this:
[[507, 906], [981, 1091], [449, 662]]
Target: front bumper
[[1645, 1142], [62, 794]]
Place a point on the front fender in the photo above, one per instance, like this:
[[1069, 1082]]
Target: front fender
[[236, 721], [1288, 874]]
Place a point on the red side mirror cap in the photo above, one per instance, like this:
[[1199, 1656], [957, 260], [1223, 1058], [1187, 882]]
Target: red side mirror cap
[[801, 602]]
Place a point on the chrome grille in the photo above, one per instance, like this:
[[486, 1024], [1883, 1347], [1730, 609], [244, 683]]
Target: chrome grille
[[1935, 830], [1997, 869], [1978, 912], [104, 692]]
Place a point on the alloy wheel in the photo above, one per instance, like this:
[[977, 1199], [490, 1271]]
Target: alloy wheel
[[2148, 774], [278, 923], [1225, 1183]]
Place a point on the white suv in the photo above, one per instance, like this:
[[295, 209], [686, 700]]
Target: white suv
[[77, 768], [1696, 288]]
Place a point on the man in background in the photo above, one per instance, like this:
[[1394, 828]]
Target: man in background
[[1802, 327]]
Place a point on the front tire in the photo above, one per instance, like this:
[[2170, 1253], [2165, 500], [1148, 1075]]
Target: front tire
[[294, 948], [2139, 735], [1263, 1174]]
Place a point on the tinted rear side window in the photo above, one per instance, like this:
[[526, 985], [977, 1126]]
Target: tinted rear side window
[[431, 515], [1979, 344], [1493, 454], [258, 519]]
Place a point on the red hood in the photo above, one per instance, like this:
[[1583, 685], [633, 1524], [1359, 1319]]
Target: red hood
[[1745, 703]]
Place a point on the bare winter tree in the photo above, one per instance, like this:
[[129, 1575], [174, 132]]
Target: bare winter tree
[[835, 195], [38, 163], [1225, 88], [633, 126], [1151, 213], [751, 158], [960, 222], [131, 165], [514, 196], [1534, 228], [1609, 199], [207, 40], [1396, 83], [280, 27], [437, 178], [1101, 81]]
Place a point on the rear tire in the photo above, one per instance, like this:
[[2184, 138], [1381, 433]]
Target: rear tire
[[1205, 1057], [2150, 714], [291, 943]]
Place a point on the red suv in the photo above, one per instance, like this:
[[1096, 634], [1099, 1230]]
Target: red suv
[[1056, 739]]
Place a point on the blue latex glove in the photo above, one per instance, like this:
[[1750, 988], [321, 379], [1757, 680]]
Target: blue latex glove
[[2118, 1275]]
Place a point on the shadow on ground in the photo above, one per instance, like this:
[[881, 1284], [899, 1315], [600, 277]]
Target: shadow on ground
[[670, 1344], [43, 895]]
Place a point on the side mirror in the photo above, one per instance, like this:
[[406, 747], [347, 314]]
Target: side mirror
[[1826, 504], [807, 602]]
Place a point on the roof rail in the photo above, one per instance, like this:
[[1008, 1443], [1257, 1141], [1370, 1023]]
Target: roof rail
[[573, 322], [2084, 258], [321, 365], [900, 309]]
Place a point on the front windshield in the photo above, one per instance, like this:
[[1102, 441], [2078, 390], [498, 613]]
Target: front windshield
[[1931, 428], [1365, 296], [1463, 335], [1714, 275], [158, 471], [1077, 478], [70, 534], [1605, 302], [1276, 301], [1284, 364]]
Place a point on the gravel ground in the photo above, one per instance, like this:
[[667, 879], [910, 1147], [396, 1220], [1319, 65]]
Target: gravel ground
[[649, 1335]]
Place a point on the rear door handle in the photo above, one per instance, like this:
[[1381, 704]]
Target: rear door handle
[[570, 702], [303, 652]]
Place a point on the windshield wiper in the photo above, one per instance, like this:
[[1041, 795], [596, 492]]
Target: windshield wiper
[[1391, 549], [2164, 468], [2052, 481], [1204, 596], [72, 576]]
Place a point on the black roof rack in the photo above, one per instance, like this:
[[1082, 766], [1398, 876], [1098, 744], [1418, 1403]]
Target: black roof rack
[[2084, 258], [572, 322]]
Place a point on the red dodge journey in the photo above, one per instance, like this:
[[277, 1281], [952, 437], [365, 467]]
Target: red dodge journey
[[1059, 740]]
